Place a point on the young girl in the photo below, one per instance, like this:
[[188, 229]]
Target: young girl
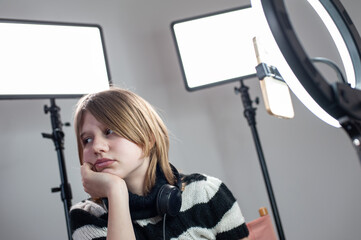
[[135, 192]]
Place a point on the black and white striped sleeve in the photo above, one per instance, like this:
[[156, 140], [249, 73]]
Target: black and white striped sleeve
[[211, 210], [88, 221]]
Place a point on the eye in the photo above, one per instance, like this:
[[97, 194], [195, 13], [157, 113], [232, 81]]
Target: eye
[[86, 140], [108, 131]]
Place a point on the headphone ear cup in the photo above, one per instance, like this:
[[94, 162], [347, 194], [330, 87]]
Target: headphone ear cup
[[169, 200]]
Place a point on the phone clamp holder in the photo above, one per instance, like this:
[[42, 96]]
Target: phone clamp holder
[[263, 70]]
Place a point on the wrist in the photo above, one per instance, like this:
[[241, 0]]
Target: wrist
[[118, 189]]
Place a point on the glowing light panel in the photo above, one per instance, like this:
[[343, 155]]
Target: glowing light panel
[[216, 48], [45, 59]]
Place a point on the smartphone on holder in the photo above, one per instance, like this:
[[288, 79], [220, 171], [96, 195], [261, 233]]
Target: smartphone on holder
[[275, 92]]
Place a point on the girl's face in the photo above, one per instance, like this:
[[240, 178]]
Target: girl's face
[[111, 153]]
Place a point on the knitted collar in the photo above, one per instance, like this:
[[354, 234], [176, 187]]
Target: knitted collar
[[142, 207]]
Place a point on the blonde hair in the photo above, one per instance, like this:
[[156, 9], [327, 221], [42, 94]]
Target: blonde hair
[[133, 118]]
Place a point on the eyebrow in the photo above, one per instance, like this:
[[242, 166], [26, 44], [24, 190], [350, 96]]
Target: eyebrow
[[82, 134]]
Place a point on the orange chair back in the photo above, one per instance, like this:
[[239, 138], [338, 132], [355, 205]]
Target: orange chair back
[[262, 227]]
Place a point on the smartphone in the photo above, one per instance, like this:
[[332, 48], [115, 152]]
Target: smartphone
[[275, 92]]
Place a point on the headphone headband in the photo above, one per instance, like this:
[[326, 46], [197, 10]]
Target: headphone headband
[[177, 177]]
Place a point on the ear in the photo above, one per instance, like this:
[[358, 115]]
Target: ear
[[152, 141], [151, 145], [148, 148]]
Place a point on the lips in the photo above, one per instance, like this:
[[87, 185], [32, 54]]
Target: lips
[[103, 163]]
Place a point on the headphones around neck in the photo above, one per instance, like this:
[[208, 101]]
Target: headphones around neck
[[169, 198]]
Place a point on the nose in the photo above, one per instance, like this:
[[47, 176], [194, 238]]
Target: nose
[[100, 145]]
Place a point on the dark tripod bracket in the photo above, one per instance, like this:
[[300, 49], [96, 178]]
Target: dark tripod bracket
[[353, 129], [58, 138]]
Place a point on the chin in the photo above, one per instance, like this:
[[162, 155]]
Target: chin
[[105, 170], [111, 171]]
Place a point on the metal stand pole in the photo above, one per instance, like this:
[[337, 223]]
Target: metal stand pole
[[58, 138], [249, 114]]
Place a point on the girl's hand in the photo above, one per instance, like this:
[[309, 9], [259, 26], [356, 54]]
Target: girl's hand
[[100, 185]]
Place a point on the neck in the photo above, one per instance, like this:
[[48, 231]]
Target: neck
[[142, 207], [135, 182]]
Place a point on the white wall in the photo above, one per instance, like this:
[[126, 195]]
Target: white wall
[[314, 170]]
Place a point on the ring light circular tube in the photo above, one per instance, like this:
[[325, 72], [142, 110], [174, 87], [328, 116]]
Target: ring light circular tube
[[337, 38], [295, 66]]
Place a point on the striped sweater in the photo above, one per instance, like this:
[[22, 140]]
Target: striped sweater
[[209, 211]]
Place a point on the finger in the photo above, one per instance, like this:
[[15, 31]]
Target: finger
[[88, 165], [85, 171]]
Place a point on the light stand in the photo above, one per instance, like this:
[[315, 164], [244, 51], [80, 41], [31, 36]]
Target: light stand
[[58, 138], [49, 60], [250, 114], [202, 67]]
